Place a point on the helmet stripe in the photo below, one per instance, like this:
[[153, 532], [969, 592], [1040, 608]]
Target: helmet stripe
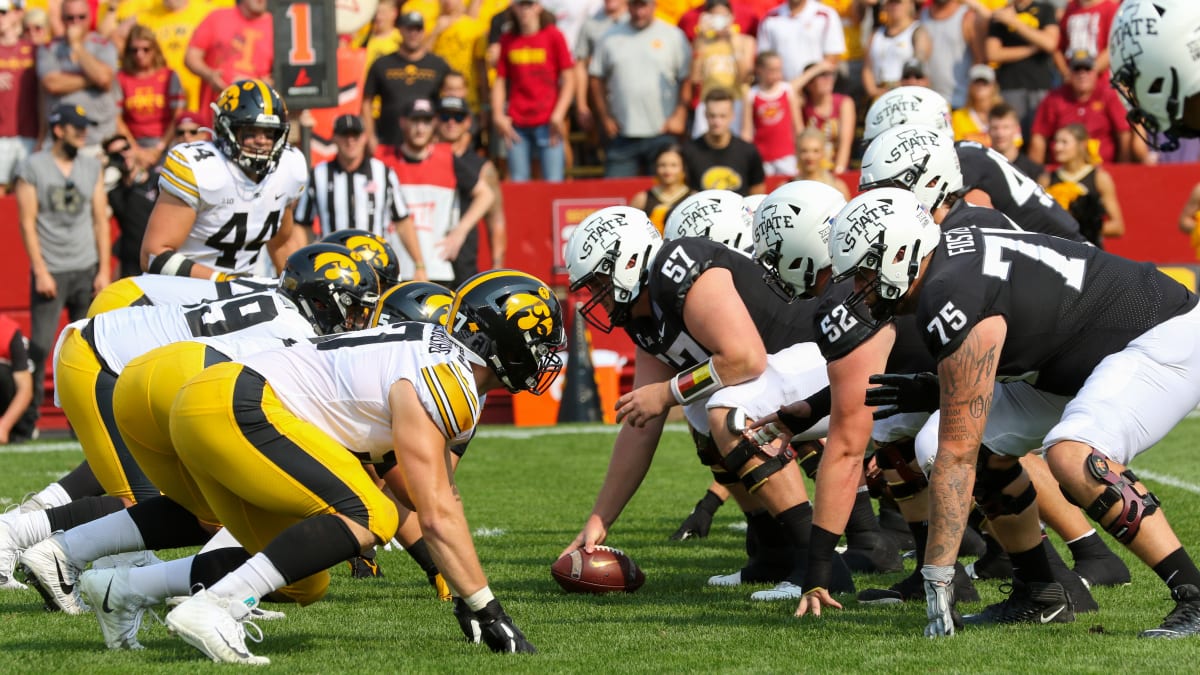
[[483, 278], [265, 92]]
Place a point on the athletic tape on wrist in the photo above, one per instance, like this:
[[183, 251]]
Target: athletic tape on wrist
[[695, 383]]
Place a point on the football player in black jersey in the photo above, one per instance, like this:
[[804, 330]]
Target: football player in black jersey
[[1154, 67], [937, 170], [712, 338], [1111, 340]]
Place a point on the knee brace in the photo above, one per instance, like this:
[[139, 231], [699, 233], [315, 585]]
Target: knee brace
[[896, 456], [1118, 488], [755, 478], [808, 456], [706, 448], [989, 489]]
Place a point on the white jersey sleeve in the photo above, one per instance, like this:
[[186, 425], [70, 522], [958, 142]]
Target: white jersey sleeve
[[341, 384], [161, 289], [235, 217]]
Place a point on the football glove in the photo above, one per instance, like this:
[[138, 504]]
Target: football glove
[[439, 584], [918, 392], [499, 631], [699, 521], [939, 600]]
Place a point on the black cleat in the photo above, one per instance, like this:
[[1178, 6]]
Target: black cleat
[[1184, 620], [1035, 602], [894, 527], [362, 567], [1107, 571], [993, 564], [912, 589], [1077, 591], [972, 544]]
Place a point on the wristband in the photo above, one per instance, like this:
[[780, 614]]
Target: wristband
[[170, 263], [479, 599], [820, 558], [695, 383], [710, 503]]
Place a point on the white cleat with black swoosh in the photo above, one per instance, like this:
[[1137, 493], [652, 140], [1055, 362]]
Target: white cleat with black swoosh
[[54, 574], [216, 626]]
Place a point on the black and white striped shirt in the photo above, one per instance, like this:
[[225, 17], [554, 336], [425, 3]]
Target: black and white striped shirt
[[368, 198]]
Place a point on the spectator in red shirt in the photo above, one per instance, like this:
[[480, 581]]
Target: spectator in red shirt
[[532, 93], [1085, 101], [231, 44], [1084, 27], [150, 96], [18, 94]]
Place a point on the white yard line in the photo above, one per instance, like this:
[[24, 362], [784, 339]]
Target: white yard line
[[1166, 479]]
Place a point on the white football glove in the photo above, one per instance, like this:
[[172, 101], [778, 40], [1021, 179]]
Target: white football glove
[[939, 599]]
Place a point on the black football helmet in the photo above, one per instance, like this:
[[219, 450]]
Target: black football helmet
[[513, 322], [250, 103], [422, 301], [332, 286], [372, 248]]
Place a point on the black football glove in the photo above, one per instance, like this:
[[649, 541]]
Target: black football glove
[[699, 521], [467, 621], [918, 392], [499, 631]]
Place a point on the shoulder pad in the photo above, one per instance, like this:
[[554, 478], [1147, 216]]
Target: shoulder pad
[[840, 332]]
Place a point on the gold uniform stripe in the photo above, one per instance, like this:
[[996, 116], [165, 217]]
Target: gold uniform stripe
[[456, 401], [266, 97], [188, 189]]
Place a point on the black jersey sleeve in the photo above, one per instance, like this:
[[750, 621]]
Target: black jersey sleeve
[[839, 329], [958, 297]]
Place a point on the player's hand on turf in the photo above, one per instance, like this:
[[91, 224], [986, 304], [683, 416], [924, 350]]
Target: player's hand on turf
[[499, 631], [467, 621], [699, 521], [918, 392], [644, 404], [939, 600], [812, 601]]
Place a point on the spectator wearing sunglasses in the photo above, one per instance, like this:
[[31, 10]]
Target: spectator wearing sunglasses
[[1083, 99], [150, 96], [454, 123], [18, 97], [63, 212], [79, 69], [188, 129]]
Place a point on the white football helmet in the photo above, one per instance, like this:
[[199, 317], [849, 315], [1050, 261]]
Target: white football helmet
[[907, 105], [1154, 51], [711, 214], [914, 158], [791, 235], [888, 232], [608, 254]]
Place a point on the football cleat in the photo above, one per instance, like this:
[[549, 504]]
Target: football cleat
[[734, 579], [116, 605], [216, 626], [134, 559], [362, 567], [993, 564], [1034, 602], [872, 553], [784, 590], [1108, 570], [55, 575], [8, 558], [1184, 620], [257, 612], [912, 589]]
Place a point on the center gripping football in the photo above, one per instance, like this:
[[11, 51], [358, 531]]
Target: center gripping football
[[605, 570]]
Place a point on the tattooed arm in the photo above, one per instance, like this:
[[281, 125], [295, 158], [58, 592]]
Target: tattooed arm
[[967, 377]]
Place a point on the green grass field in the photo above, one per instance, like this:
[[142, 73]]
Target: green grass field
[[526, 496]]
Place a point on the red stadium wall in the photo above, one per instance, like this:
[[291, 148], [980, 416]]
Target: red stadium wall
[[540, 215]]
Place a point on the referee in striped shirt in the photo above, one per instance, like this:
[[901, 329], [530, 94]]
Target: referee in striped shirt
[[354, 191]]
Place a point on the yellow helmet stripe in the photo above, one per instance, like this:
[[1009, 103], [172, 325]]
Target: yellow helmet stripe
[[483, 278], [265, 91]]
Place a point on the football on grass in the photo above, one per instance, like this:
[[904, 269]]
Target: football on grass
[[604, 570]]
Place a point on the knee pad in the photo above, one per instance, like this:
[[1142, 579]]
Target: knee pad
[[808, 456], [1118, 488], [989, 489], [755, 478], [706, 448], [897, 456]]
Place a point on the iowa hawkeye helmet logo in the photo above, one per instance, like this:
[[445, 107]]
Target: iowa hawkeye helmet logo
[[530, 312], [335, 266], [437, 308], [369, 249]]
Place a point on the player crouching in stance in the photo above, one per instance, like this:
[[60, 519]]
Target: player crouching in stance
[[416, 388], [1056, 313]]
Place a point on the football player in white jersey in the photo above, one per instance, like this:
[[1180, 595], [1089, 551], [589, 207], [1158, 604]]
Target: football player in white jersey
[[220, 202], [156, 289], [324, 288]]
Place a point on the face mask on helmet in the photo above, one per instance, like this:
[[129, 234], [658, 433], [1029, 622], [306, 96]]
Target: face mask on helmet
[[717, 215], [907, 105], [422, 301], [372, 248], [607, 258], [331, 286], [913, 158], [1151, 47], [244, 107], [879, 239], [512, 323], [791, 236]]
